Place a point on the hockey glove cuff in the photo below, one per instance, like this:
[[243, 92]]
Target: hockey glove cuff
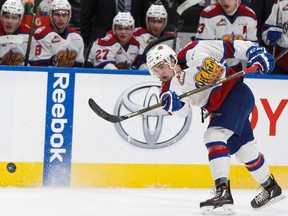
[[171, 102], [259, 55]]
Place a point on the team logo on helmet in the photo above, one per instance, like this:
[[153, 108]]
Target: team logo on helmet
[[210, 72]]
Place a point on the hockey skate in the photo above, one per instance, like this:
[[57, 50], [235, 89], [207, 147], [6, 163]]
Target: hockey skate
[[220, 204], [268, 196]]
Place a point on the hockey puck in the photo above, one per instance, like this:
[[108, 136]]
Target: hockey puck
[[11, 167]]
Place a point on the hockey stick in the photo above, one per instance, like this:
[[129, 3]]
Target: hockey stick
[[185, 5], [180, 9], [138, 61], [284, 52], [157, 41], [115, 119], [11, 39], [277, 23], [35, 7]]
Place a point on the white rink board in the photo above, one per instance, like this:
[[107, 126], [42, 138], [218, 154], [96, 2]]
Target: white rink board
[[99, 142], [23, 107]]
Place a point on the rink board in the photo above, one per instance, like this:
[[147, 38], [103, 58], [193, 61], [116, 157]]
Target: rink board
[[48, 130]]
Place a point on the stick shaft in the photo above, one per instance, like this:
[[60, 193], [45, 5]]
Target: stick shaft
[[116, 119], [35, 7]]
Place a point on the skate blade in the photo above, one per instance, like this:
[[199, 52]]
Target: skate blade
[[272, 201], [224, 210]]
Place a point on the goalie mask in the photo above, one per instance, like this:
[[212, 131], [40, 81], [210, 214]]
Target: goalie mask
[[60, 5], [123, 19], [13, 7], [156, 11], [158, 54]]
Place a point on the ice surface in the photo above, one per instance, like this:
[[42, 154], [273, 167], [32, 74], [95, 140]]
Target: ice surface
[[122, 202]]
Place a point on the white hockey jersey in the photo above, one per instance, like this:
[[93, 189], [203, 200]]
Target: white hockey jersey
[[202, 64], [109, 54], [14, 53], [52, 49], [215, 24], [282, 22]]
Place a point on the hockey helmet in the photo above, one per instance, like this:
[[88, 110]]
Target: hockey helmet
[[13, 7], [123, 19], [156, 11], [60, 5], [160, 53]]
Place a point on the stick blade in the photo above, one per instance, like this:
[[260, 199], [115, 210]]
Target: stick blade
[[103, 114], [185, 5]]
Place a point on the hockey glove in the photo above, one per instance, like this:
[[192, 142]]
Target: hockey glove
[[274, 35], [171, 102], [259, 55]]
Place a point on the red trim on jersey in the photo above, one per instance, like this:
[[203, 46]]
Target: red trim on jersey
[[165, 87], [139, 31], [41, 33], [229, 49], [134, 41], [106, 41], [23, 29], [212, 11], [216, 10], [246, 11], [182, 54], [219, 94], [72, 30]]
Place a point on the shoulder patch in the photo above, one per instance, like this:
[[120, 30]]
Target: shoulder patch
[[181, 77], [209, 8]]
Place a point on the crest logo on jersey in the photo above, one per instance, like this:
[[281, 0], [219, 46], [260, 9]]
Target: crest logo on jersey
[[232, 37], [181, 77], [209, 72], [222, 22], [123, 65], [64, 58], [56, 39], [11, 58], [285, 8], [150, 39]]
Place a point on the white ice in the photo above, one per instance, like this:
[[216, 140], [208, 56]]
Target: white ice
[[122, 202]]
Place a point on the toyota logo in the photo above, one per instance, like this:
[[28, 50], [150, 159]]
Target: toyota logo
[[154, 129]]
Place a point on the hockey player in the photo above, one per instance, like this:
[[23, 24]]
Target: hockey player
[[57, 44], [11, 16], [119, 48], [228, 20], [156, 21], [275, 34], [229, 131]]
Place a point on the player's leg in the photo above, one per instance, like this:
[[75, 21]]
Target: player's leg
[[257, 166], [226, 122], [215, 139]]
